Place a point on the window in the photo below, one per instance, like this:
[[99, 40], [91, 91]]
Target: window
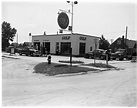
[[57, 47], [82, 48], [90, 48], [65, 47]]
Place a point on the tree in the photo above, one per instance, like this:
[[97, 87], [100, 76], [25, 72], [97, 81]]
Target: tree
[[25, 44], [8, 34], [103, 43]]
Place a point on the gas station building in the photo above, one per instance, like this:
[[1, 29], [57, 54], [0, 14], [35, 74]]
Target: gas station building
[[62, 43]]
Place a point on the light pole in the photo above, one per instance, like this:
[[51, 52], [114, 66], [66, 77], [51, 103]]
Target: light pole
[[72, 4], [95, 41], [17, 38]]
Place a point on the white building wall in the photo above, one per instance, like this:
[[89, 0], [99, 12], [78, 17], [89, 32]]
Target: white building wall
[[74, 39], [90, 42]]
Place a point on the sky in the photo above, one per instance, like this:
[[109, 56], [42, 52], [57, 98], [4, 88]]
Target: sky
[[91, 18]]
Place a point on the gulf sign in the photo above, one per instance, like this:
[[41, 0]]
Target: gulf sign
[[63, 20]]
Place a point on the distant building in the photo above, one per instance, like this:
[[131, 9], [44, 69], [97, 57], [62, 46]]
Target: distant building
[[79, 43], [122, 43], [14, 44], [28, 43]]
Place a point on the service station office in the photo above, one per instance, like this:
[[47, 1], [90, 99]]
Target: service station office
[[79, 43]]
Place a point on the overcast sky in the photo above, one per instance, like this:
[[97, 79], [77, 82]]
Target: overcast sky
[[91, 18]]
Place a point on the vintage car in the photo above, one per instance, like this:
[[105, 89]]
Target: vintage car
[[8, 49], [120, 54], [29, 51], [89, 55], [98, 53]]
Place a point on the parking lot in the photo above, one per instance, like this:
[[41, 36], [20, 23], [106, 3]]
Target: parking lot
[[22, 87]]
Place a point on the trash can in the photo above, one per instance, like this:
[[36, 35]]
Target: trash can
[[12, 50]]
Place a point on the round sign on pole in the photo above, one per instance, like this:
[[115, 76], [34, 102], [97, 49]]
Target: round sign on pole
[[63, 20]]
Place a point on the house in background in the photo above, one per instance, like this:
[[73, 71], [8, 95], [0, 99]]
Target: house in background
[[27, 44], [122, 43], [14, 44]]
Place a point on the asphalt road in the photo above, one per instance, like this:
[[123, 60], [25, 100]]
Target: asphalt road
[[21, 87]]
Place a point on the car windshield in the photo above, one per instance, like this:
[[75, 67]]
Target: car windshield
[[120, 51], [31, 49], [99, 50], [105, 51], [90, 52]]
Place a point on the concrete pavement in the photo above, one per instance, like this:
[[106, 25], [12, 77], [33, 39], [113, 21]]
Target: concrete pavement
[[107, 88]]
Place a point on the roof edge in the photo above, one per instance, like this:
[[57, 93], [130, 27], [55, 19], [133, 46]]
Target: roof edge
[[67, 34]]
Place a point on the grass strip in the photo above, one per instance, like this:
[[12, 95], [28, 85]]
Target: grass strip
[[55, 69]]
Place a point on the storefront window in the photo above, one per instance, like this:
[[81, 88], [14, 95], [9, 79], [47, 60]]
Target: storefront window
[[90, 48], [37, 45], [65, 48], [57, 48], [46, 46]]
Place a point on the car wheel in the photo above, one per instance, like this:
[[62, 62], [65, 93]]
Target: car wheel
[[20, 54], [86, 56], [121, 59], [113, 58], [129, 58], [31, 54], [102, 58]]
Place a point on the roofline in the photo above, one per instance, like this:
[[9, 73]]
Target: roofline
[[126, 39], [87, 35], [66, 34]]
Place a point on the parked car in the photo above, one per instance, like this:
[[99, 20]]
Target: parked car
[[89, 55], [8, 49], [18, 49], [99, 53], [29, 51], [121, 54]]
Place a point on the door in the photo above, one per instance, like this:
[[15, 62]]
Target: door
[[65, 48], [46, 46], [82, 48], [37, 45], [57, 48]]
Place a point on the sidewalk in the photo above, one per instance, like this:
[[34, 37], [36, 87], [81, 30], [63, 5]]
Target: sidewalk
[[55, 59], [8, 55]]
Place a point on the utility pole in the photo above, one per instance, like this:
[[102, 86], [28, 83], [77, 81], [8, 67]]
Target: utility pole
[[17, 38], [95, 41], [70, 56], [72, 19], [72, 5], [111, 40], [126, 36], [29, 37]]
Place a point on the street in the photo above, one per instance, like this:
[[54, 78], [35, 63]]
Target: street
[[22, 87]]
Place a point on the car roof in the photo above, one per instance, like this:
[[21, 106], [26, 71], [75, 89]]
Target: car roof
[[121, 49], [100, 49]]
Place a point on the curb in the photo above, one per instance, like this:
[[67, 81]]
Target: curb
[[81, 73], [13, 57], [72, 74]]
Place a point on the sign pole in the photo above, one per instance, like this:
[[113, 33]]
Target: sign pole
[[70, 56], [72, 18], [95, 40], [17, 38], [107, 59]]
